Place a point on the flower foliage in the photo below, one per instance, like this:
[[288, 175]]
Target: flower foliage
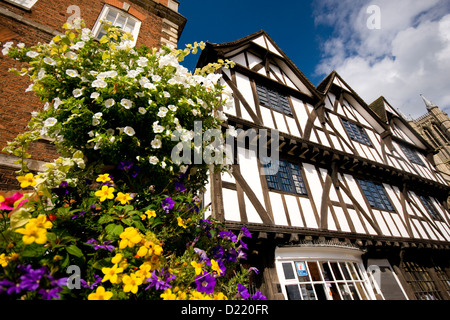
[[115, 206]]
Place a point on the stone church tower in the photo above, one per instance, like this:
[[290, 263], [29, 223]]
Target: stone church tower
[[434, 127]]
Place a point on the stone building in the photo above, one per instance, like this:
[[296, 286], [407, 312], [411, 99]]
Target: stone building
[[434, 127], [151, 22]]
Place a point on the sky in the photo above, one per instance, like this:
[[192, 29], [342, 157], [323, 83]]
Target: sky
[[396, 49]]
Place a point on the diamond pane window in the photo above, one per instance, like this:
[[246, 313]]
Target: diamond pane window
[[376, 195], [356, 132]]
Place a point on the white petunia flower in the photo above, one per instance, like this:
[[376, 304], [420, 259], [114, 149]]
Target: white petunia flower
[[57, 102], [142, 110], [77, 93], [21, 45], [49, 61], [162, 112], [153, 160], [72, 73], [166, 94], [71, 55], [129, 131], [50, 122], [172, 107], [150, 86], [127, 104], [156, 78], [99, 83], [41, 74], [109, 103], [32, 54], [98, 115], [95, 95], [157, 128], [156, 143]]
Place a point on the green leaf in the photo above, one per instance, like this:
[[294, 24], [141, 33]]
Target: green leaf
[[19, 218], [74, 250], [114, 229]]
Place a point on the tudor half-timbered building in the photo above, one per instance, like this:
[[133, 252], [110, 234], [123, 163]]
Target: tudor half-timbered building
[[356, 209]]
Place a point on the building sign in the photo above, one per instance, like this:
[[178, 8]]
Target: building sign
[[301, 269]]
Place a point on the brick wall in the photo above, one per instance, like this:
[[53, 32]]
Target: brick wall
[[41, 24]]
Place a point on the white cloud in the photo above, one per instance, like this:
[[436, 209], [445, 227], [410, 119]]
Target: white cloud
[[408, 56]]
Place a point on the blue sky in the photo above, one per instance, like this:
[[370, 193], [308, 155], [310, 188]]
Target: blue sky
[[407, 56], [290, 26]]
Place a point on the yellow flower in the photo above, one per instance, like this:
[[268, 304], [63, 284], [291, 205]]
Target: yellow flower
[[220, 296], [215, 266], [4, 260], [197, 266], [31, 234], [105, 193], [2, 198], [100, 294], [130, 237], [181, 222], [142, 251], [117, 258], [195, 295], [27, 180], [149, 213], [168, 295], [111, 274], [103, 178], [41, 222], [131, 283], [124, 198]]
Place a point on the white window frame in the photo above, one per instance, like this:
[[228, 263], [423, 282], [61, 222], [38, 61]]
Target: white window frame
[[104, 13], [322, 254], [24, 4]]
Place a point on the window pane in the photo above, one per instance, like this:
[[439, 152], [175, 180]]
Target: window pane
[[334, 291], [314, 271], [302, 272], [346, 295], [352, 271], [288, 272], [345, 271], [321, 295], [293, 292], [307, 292], [327, 275], [337, 273], [352, 288], [111, 16], [361, 291]]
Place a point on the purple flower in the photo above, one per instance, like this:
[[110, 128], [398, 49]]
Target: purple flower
[[180, 187], [228, 235], [106, 245], [9, 287], [255, 270], [202, 254], [205, 283], [32, 277], [160, 282], [258, 296], [218, 252], [167, 204], [129, 166], [95, 284], [232, 255], [245, 232], [243, 292], [49, 294], [82, 213]]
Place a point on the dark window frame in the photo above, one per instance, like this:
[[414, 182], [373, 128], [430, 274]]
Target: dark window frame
[[273, 99], [288, 178], [412, 154], [430, 208], [356, 132], [376, 195]]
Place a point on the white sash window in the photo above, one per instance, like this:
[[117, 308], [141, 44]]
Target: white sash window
[[322, 273], [117, 17]]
